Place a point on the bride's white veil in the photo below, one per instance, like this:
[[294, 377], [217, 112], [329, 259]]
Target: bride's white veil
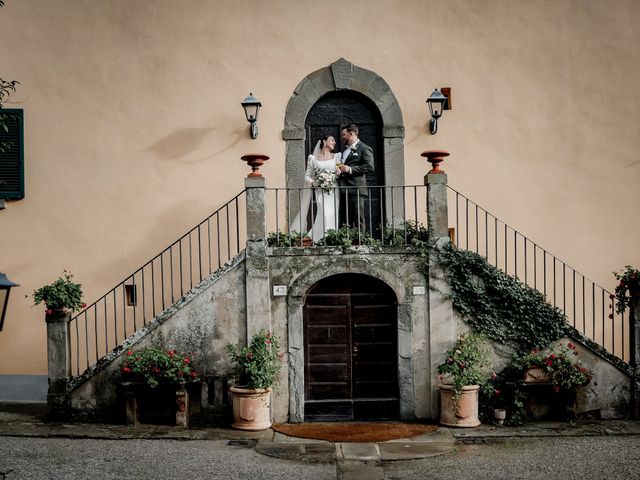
[[299, 223], [317, 149]]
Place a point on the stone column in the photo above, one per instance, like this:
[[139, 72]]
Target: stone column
[[441, 324], [436, 182], [256, 265], [634, 320], [59, 361]]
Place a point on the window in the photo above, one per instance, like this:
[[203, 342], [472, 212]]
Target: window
[[11, 153]]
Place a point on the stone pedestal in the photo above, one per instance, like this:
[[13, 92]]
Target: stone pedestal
[[58, 361], [258, 295], [131, 392]]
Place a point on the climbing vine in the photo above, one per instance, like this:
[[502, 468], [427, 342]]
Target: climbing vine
[[502, 307]]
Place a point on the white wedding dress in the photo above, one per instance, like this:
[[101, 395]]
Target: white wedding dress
[[325, 211]]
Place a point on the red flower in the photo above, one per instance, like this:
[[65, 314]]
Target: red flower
[[249, 355], [553, 355], [193, 374], [48, 311], [556, 389], [126, 370], [155, 370], [84, 305], [180, 373], [497, 391], [129, 352], [171, 353], [187, 360], [571, 346]]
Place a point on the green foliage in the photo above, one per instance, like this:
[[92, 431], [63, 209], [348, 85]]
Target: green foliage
[[156, 365], [258, 365], [410, 233], [346, 236], [628, 287], [467, 362], [505, 309], [284, 239], [62, 295]]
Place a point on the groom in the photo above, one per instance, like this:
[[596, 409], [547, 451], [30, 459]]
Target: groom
[[357, 160]]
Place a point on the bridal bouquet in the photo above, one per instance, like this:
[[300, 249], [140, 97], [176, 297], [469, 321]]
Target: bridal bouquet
[[324, 179]]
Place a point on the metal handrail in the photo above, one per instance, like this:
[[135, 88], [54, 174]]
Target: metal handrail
[[157, 284], [588, 307]]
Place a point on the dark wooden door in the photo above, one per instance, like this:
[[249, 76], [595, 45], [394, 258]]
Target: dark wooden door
[[333, 112], [350, 341]]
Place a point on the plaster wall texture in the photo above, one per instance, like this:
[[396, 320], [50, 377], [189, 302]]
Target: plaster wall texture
[[134, 131]]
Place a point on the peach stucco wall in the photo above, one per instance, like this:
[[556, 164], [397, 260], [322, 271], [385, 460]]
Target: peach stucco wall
[[134, 128]]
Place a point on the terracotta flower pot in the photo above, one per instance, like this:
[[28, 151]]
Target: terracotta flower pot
[[251, 408], [536, 375], [460, 413]]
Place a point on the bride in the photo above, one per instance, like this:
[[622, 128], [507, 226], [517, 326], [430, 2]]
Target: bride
[[321, 174]]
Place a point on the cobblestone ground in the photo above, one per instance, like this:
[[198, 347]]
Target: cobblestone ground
[[567, 458], [39, 458]]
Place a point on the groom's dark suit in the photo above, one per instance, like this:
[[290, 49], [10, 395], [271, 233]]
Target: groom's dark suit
[[353, 200]]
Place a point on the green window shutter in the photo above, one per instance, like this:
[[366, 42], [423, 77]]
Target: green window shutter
[[11, 153]]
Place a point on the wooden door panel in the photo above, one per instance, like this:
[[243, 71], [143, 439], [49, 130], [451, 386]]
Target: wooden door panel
[[330, 391], [328, 334], [376, 352], [328, 354], [350, 350], [328, 372]]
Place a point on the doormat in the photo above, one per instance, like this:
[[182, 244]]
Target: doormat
[[354, 432]]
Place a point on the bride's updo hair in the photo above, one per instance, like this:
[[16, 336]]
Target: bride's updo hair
[[323, 140]]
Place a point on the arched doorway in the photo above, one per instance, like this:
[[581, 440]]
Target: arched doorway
[[328, 116], [350, 350], [343, 77]]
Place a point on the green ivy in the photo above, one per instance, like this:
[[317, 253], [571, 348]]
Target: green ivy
[[502, 307]]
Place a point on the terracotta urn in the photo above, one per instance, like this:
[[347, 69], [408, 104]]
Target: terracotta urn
[[255, 161], [251, 408], [462, 412], [435, 158]]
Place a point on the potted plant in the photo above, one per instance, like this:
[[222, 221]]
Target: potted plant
[[556, 365], [154, 366], [61, 297], [257, 368], [555, 368], [627, 289], [157, 368], [466, 368]]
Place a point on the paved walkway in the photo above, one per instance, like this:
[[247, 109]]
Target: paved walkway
[[353, 460]]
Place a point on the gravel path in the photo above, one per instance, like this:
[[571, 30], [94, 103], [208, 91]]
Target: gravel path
[[40, 458], [566, 458]]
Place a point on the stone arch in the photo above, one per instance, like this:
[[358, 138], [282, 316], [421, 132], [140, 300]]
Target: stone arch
[[343, 75], [295, 329]]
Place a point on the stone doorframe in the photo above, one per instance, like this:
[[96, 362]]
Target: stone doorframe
[[295, 305], [343, 75]]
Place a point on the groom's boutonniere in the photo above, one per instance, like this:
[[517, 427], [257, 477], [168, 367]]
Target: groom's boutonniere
[[353, 150]]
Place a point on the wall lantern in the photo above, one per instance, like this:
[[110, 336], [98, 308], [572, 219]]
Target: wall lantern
[[251, 107], [5, 288], [437, 104]]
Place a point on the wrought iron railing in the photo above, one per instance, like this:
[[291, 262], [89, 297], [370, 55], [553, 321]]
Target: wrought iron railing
[[204, 249], [386, 207], [588, 306], [158, 284]]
